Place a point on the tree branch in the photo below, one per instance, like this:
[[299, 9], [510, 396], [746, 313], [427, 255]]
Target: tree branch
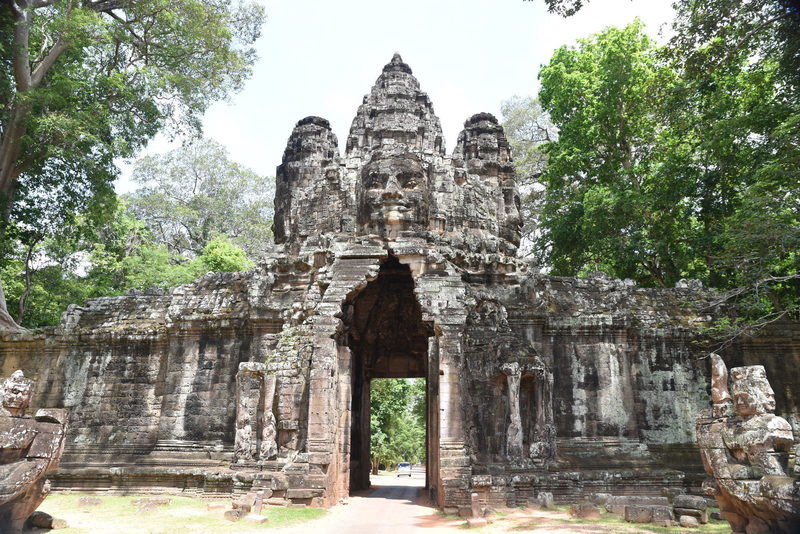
[[22, 28], [49, 60], [749, 35]]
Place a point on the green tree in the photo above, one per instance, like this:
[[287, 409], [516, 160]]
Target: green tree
[[528, 129], [85, 259], [195, 193], [681, 161], [740, 66], [397, 421], [605, 206], [84, 82]]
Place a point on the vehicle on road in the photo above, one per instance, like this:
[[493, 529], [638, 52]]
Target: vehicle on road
[[404, 468]]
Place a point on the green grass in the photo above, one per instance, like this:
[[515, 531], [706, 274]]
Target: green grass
[[623, 526], [182, 514]]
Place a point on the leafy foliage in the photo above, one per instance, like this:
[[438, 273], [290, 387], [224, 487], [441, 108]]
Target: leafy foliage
[[397, 421], [195, 193], [85, 82], [88, 260], [681, 161], [528, 128]]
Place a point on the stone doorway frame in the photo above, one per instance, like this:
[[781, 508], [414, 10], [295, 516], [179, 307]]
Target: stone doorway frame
[[431, 376]]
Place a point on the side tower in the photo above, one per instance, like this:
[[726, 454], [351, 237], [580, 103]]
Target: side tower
[[309, 195]]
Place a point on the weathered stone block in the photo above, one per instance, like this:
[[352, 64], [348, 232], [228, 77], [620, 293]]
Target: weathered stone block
[[671, 493], [692, 502], [303, 493], [234, 515], [638, 513], [45, 520], [687, 521], [585, 510], [701, 515]]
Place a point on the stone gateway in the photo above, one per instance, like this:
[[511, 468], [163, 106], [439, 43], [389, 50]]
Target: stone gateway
[[393, 259]]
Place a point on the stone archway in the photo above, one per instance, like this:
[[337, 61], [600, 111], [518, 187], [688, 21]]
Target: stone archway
[[387, 338]]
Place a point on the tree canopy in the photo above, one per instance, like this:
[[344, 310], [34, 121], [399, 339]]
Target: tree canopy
[[195, 193], [85, 82], [680, 161], [397, 421]]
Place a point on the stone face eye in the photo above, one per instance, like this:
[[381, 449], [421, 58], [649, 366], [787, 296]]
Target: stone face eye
[[409, 181], [374, 181]]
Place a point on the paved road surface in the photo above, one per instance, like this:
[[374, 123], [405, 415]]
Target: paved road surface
[[394, 505]]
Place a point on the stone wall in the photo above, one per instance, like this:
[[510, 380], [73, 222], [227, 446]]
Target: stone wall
[[535, 383]]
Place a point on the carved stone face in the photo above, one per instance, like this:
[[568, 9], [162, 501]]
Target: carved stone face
[[393, 195], [752, 394], [17, 391]]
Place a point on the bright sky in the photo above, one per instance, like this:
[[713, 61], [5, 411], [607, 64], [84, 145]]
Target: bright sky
[[320, 57]]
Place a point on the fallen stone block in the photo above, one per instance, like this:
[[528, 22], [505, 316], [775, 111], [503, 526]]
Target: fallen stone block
[[663, 516], [649, 513], [692, 502], [234, 515], [687, 521], [277, 501], [89, 501], [256, 518], [45, 520], [671, 493], [617, 504], [465, 511], [635, 513], [600, 499], [585, 510], [701, 515], [545, 499]]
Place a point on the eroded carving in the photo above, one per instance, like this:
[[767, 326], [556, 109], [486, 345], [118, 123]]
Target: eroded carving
[[393, 194], [747, 451], [29, 448], [256, 432]]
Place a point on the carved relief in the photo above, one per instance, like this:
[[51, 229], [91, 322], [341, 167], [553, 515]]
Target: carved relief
[[29, 448], [747, 451], [255, 420], [533, 436]]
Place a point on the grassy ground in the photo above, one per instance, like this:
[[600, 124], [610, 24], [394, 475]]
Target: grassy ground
[[558, 521], [182, 515]]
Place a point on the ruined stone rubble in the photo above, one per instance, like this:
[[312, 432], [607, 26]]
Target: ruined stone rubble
[[392, 259]]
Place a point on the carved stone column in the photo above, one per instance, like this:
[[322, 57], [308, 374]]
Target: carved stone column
[[255, 420], [269, 431], [514, 433]]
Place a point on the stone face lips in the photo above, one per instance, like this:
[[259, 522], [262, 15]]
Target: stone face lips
[[393, 259]]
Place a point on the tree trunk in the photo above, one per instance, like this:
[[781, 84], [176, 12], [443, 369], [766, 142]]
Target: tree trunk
[[7, 323]]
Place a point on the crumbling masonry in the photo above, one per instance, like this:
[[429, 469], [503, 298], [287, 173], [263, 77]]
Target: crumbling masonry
[[393, 259]]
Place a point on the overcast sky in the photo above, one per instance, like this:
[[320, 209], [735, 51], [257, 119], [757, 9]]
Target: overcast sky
[[320, 57]]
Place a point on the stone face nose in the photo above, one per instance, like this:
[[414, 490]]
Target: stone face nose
[[393, 190]]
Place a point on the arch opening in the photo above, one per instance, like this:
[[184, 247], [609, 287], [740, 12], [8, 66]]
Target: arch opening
[[387, 338]]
